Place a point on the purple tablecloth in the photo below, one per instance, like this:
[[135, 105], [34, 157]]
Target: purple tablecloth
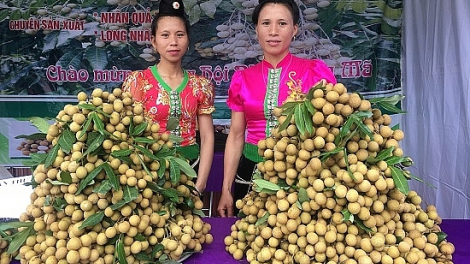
[[458, 232], [215, 253]]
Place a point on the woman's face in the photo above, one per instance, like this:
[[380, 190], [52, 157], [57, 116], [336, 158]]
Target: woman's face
[[170, 39], [275, 30]]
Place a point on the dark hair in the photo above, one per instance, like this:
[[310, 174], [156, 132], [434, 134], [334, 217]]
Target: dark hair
[[171, 8], [290, 4]]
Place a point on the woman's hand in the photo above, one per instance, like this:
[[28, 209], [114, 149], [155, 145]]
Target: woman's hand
[[225, 207]]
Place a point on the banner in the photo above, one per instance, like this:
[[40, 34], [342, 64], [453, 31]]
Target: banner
[[52, 50]]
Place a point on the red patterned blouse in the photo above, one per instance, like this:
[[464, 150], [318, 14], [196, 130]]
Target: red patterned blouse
[[195, 96]]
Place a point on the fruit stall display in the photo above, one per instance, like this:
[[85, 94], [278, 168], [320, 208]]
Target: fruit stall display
[[333, 188], [111, 189]]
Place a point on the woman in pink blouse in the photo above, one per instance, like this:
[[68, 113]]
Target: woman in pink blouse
[[167, 90], [254, 92]]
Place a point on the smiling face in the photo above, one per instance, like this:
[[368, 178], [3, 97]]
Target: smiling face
[[275, 30], [170, 39]]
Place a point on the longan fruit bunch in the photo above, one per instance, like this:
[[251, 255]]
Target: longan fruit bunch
[[112, 189], [5, 257], [335, 192]]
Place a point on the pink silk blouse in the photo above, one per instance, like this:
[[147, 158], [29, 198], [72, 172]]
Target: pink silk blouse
[[195, 96], [258, 89]]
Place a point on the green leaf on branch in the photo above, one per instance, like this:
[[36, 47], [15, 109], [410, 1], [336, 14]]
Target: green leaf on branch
[[139, 129], [401, 183], [188, 202], [144, 140], [165, 151], [172, 123], [125, 159], [185, 167], [347, 216], [121, 254], [140, 237], [92, 220], [325, 155], [51, 156], [303, 196], [146, 169], [59, 204], [15, 225], [113, 179], [172, 194], [358, 121], [394, 160], [66, 140], [65, 177], [360, 115], [345, 157], [85, 127], [157, 248], [18, 239], [412, 176], [286, 122], [98, 123], [121, 153], [104, 187], [199, 212], [37, 158], [161, 170], [309, 95], [94, 144], [299, 119], [175, 139], [175, 172], [307, 118], [33, 136], [146, 152], [360, 224], [290, 105], [441, 236], [388, 103], [87, 106], [309, 107], [382, 155], [391, 108], [90, 177], [40, 123], [131, 126], [263, 219], [142, 256], [265, 186], [129, 194]]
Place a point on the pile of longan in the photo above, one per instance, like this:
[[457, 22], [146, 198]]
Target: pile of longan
[[80, 217], [336, 199]]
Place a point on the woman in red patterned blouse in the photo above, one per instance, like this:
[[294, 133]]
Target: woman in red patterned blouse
[[167, 90]]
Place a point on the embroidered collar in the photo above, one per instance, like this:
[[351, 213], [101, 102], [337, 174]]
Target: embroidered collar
[[283, 63], [165, 85]]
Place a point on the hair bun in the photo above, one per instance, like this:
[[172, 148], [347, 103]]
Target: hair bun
[[171, 8]]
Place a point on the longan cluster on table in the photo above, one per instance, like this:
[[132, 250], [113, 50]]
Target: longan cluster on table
[[112, 189], [336, 193]]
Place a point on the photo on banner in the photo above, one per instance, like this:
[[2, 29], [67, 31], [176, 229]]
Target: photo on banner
[[52, 50]]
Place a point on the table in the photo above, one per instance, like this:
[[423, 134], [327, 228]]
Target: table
[[458, 232]]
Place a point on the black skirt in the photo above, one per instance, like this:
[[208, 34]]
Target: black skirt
[[243, 179]]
